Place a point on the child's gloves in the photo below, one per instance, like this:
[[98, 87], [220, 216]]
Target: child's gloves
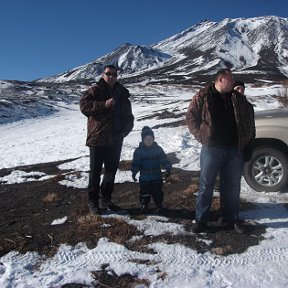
[[134, 177]]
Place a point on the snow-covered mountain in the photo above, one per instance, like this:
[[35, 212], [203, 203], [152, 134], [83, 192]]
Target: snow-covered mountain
[[129, 58], [256, 48], [240, 44]]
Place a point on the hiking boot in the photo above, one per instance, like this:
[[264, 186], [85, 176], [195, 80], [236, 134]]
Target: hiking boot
[[143, 207], [159, 210], [199, 227], [94, 209], [236, 225], [240, 229], [112, 207], [103, 205]]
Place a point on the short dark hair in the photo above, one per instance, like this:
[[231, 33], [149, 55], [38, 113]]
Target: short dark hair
[[221, 73], [109, 66]]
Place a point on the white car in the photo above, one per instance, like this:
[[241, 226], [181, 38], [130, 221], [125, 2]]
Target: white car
[[268, 168]]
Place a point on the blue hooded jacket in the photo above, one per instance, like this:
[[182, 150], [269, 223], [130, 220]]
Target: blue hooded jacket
[[148, 161]]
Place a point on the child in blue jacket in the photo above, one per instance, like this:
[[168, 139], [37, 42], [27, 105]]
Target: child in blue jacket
[[148, 158]]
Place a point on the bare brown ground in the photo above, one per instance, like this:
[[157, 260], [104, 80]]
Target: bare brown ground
[[28, 209]]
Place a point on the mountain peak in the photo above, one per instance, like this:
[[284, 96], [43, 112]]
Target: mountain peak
[[249, 46]]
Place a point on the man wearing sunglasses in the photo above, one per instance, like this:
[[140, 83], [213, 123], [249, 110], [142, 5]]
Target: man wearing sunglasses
[[110, 119]]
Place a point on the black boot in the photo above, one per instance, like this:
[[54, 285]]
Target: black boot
[[237, 226], [94, 208], [199, 227]]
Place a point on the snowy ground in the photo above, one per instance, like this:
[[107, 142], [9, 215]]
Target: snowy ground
[[62, 136]]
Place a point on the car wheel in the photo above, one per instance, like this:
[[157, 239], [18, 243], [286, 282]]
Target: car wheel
[[267, 170]]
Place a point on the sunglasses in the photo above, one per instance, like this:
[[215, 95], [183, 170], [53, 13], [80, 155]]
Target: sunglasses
[[111, 74]]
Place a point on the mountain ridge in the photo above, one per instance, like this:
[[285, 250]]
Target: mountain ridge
[[253, 47], [187, 58]]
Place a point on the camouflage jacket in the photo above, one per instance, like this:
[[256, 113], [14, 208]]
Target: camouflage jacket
[[106, 124], [199, 120]]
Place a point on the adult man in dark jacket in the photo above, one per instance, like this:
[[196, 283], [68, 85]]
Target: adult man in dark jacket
[[222, 121], [110, 119]]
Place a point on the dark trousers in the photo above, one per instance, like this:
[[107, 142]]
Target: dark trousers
[[151, 189], [109, 157]]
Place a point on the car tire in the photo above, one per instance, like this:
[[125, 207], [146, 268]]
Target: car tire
[[267, 170]]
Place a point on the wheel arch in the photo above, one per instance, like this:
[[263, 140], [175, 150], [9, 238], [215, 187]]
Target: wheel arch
[[271, 142]]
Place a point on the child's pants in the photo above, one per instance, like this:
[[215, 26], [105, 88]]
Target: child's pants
[[151, 189]]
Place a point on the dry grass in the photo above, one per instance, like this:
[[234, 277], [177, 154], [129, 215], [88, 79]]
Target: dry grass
[[50, 198]]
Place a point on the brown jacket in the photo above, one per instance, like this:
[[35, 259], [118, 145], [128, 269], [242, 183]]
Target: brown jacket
[[104, 125], [199, 120]]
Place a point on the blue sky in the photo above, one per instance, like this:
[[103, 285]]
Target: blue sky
[[41, 38]]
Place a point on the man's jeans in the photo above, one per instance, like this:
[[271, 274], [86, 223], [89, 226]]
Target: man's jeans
[[228, 163], [110, 157]]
